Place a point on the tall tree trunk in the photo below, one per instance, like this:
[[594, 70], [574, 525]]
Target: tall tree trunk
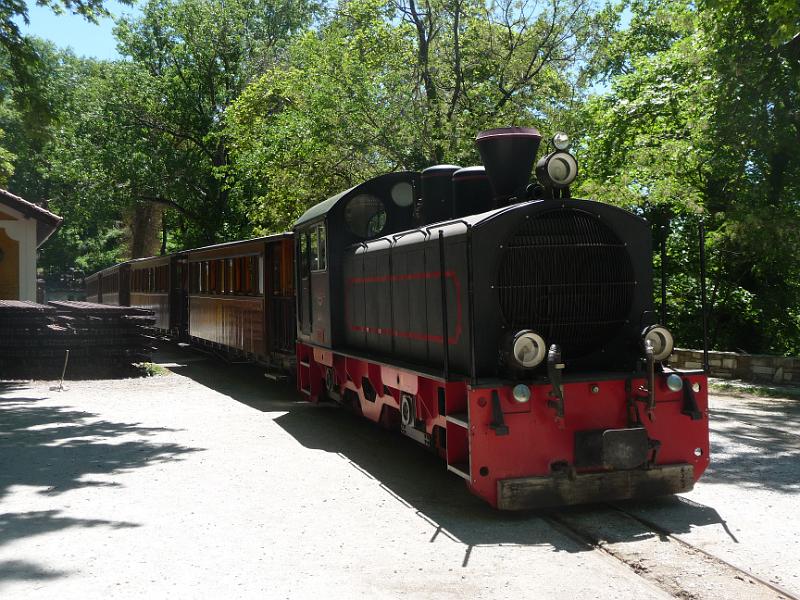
[[145, 227]]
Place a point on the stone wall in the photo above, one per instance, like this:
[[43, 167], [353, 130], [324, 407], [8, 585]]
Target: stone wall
[[749, 367]]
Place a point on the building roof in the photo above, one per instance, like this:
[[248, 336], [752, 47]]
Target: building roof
[[47, 222]]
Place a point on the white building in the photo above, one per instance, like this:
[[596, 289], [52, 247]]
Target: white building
[[24, 227]]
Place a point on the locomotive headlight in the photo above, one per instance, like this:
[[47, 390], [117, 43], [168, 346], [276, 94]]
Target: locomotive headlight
[[560, 141], [557, 169], [674, 382], [661, 340], [528, 349], [522, 393]]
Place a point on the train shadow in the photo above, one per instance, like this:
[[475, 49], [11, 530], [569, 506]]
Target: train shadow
[[411, 475]]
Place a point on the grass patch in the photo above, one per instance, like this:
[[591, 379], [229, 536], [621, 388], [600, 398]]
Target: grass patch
[[737, 387], [149, 369]]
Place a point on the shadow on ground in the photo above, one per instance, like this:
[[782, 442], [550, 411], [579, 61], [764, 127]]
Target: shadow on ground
[[406, 471], [756, 444], [55, 449], [23, 570]]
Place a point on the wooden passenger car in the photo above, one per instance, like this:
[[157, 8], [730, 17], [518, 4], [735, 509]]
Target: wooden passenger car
[[92, 283], [110, 286], [150, 287], [241, 297]]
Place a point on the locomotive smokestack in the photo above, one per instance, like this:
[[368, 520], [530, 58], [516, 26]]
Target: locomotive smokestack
[[508, 153]]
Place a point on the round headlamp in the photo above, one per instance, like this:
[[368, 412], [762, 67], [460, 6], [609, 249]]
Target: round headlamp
[[528, 349], [557, 169], [660, 339], [560, 141]]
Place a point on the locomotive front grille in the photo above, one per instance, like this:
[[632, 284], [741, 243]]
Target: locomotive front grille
[[566, 275]]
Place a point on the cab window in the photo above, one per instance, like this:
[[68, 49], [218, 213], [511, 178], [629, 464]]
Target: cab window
[[313, 249]]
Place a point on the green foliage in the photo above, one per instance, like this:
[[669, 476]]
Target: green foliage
[[387, 86], [699, 124], [6, 162], [148, 130], [233, 117], [23, 68]]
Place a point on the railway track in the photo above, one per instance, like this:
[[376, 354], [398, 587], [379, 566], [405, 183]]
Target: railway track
[[659, 556]]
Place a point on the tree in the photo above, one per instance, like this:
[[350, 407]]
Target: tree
[[22, 70], [697, 126], [383, 86], [140, 141]]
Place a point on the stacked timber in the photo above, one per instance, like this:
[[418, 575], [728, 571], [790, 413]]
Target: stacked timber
[[103, 341], [30, 339]]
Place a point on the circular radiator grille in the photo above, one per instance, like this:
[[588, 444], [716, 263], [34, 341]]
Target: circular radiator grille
[[568, 277]]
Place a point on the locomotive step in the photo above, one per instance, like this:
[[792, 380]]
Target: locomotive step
[[460, 469], [461, 419]]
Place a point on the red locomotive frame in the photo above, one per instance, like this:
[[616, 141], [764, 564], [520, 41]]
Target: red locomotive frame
[[515, 470]]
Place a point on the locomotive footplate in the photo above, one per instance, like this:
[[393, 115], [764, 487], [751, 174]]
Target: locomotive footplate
[[584, 488]]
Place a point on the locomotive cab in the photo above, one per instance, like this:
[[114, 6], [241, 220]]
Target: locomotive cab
[[381, 206]]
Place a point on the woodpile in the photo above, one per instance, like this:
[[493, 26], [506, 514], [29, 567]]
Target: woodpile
[[103, 341]]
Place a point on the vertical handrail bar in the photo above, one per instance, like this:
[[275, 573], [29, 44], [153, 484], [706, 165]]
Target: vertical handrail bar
[[471, 298], [445, 329]]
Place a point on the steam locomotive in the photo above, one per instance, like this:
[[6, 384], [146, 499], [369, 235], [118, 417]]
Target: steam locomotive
[[505, 325]]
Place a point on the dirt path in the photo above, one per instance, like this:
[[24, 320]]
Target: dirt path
[[211, 483]]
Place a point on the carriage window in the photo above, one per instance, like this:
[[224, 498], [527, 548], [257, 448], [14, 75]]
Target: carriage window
[[365, 215], [314, 254], [229, 289], [238, 283], [254, 275]]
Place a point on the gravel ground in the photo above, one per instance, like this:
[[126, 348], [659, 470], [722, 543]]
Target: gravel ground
[[744, 510], [210, 482]]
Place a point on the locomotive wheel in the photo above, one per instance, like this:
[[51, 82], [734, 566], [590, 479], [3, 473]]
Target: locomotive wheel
[[330, 380], [407, 410]]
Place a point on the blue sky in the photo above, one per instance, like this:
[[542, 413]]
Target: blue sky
[[67, 30]]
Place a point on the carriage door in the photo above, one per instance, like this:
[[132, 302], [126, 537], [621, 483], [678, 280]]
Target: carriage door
[[178, 296], [304, 280]]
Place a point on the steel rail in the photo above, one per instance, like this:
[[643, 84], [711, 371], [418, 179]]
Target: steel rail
[[664, 532]]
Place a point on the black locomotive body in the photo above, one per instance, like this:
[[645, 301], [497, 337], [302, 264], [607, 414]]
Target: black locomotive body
[[578, 272]]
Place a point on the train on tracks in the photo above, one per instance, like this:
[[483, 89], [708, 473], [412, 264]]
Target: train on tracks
[[505, 325]]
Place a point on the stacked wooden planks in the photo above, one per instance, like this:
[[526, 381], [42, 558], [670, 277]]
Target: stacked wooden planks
[[103, 341], [30, 340]]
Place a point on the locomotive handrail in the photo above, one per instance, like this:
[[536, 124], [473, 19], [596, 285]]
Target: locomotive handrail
[[397, 236], [464, 222]]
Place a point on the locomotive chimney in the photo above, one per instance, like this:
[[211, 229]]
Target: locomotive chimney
[[508, 153]]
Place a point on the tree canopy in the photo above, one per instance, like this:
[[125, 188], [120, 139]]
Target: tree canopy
[[228, 119]]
